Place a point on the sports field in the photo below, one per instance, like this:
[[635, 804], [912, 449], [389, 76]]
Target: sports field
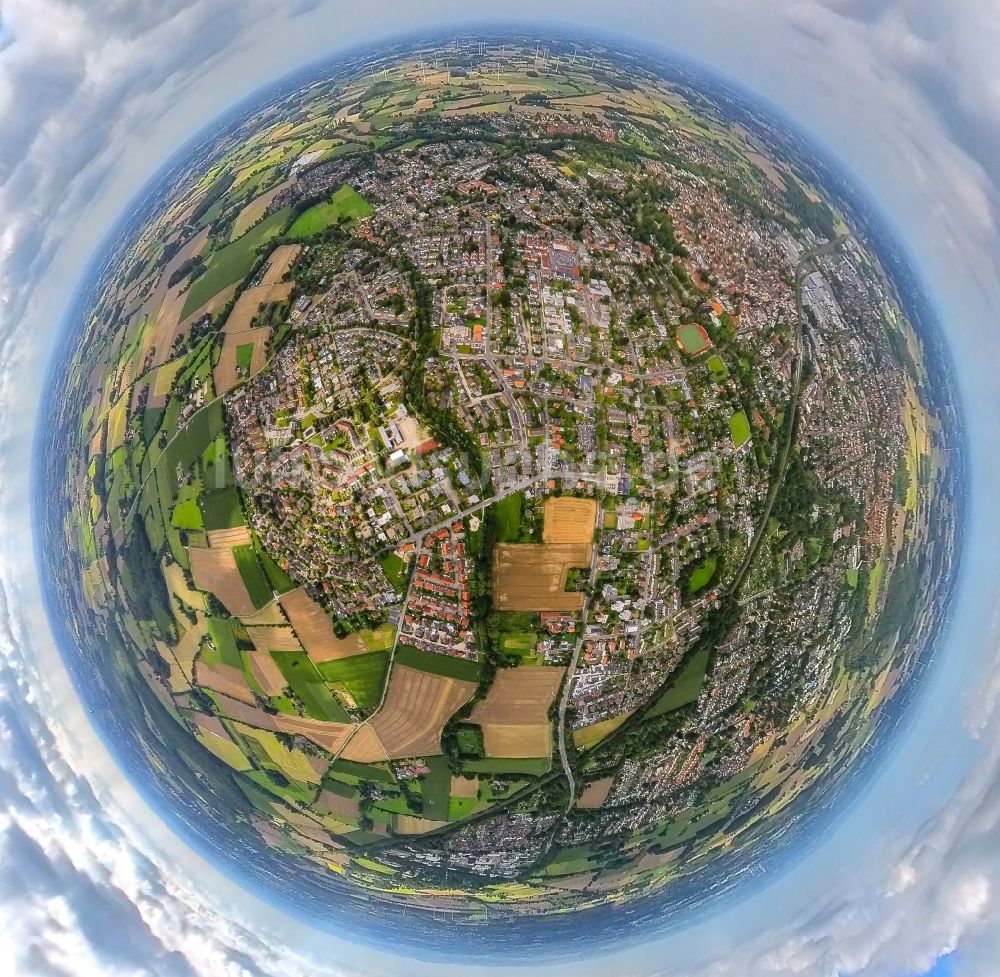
[[739, 427], [693, 339]]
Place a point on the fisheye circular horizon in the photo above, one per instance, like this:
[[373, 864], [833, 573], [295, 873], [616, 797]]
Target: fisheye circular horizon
[[492, 482]]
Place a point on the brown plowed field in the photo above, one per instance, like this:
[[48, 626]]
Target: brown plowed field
[[225, 679], [595, 793], [275, 638], [216, 572], [344, 806], [315, 629], [532, 576], [569, 520], [514, 715], [266, 672], [248, 715], [411, 720]]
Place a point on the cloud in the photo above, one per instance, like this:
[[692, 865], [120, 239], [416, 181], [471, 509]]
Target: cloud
[[908, 91]]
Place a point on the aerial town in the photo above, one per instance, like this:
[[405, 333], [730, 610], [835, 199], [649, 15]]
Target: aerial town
[[507, 479]]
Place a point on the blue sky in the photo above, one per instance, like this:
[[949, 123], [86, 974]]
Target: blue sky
[[95, 95]]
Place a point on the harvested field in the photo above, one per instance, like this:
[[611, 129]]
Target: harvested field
[[225, 749], [464, 787], [595, 793], [225, 679], [159, 336], [532, 576], [406, 824], [241, 712], [163, 380], [187, 647], [280, 263], [269, 615], [417, 705], [249, 303], [178, 586], [569, 520], [346, 807], [294, 764], [274, 638], [514, 714], [255, 210], [224, 539], [267, 674], [315, 629], [216, 572], [177, 681], [217, 302], [226, 372], [329, 736]]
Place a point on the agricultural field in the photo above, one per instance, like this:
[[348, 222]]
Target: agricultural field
[[514, 716], [532, 577]]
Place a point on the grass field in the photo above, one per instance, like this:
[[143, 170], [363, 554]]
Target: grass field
[[718, 368], [253, 576], [437, 789], [532, 766], [361, 676], [232, 264], [702, 577], [221, 509], [739, 427], [187, 515], [429, 661], [396, 570], [280, 581], [220, 630], [589, 736], [693, 339], [686, 687], [307, 683], [508, 518], [345, 205]]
